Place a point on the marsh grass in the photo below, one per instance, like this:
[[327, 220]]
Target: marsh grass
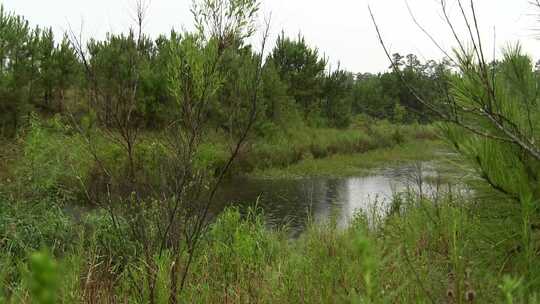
[[426, 249], [306, 145], [53, 161], [444, 251], [356, 164]]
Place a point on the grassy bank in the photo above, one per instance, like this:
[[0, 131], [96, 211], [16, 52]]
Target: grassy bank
[[53, 159], [444, 251], [449, 249], [291, 147], [341, 165]]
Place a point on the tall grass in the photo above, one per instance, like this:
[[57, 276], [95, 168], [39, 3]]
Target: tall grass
[[448, 249], [55, 162], [289, 147], [442, 251]]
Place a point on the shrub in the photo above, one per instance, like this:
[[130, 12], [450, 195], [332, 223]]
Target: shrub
[[43, 278], [53, 161], [109, 238]]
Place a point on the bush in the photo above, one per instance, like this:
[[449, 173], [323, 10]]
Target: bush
[[211, 157], [238, 248], [109, 239], [53, 161], [43, 278]]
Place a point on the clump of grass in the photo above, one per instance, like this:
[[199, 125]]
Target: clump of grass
[[52, 161]]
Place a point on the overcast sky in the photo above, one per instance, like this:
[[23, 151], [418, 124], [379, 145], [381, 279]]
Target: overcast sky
[[341, 29]]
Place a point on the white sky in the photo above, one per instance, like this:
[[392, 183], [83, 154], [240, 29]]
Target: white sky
[[341, 29]]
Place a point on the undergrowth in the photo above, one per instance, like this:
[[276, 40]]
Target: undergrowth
[[424, 251]]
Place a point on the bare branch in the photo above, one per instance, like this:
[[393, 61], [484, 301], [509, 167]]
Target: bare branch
[[424, 102], [423, 29], [202, 220]]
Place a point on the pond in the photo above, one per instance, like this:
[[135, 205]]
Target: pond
[[293, 202]]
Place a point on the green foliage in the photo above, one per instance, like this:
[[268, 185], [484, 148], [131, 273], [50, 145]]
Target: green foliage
[[380, 95], [43, 278], [515, 84], [54, 162], [344, 165], [503, 144], [293, 146], [211, 156], [279, 107], [240, 16], [338, 89], [301, 68], [115, 67], [16, 70], [58, 69], [149, 111], [399, 113], [234, 101], [108, 237], [131, 76], [425, 252], [299, 144], [34, 70], [371, 97], [237, 245], [28, 226]]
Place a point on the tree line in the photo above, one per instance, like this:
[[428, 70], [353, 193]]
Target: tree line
[[41, 73]]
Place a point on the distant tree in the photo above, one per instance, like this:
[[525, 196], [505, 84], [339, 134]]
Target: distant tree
[[35, 71], [155, 103], [45, 52], [374, 95], [338, 90], [301, 68], [277, 103], [232, 103], [397, 60], [116, 67], [59, 70], [68, 72], [17, 70]]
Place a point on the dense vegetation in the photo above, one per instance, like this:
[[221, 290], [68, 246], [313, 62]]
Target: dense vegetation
[[113, 151], [41, 75]]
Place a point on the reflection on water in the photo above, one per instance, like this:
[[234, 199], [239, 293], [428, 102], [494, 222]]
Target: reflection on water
[[292, 201]]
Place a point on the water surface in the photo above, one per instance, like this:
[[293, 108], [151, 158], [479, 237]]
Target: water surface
[[292, 201]]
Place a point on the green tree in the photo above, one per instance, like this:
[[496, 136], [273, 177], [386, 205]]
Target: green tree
[[16, 71], [338, 88], [233, 101], [503, 113], [301, 68], [58, 71], [116, 69], [374, 95], [493, 122], [279, 106]]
